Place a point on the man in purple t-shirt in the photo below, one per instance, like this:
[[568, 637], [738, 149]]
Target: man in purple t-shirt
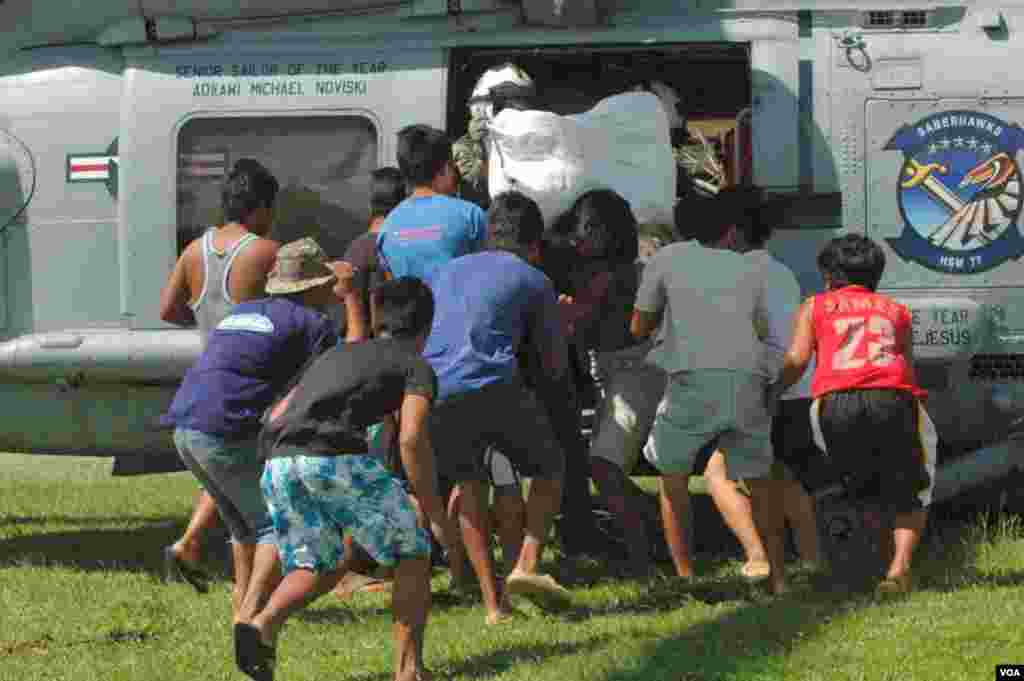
[[251, 356], [487, 305]]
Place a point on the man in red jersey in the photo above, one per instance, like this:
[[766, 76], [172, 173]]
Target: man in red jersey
[[868, 412]]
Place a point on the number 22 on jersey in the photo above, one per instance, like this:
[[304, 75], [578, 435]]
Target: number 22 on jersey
[[872, 343]]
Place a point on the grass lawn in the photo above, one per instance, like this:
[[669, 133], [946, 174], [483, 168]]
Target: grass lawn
[[81, 599]]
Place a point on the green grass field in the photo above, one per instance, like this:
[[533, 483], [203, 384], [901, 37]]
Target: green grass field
[[81, 598]]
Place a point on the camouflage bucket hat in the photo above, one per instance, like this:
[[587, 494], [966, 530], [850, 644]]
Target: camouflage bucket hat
[[300, 265]]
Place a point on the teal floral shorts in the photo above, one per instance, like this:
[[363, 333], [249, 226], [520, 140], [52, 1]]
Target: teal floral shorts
[[314, 500]]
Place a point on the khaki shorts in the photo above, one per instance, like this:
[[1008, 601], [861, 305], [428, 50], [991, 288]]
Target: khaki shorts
[[633, 390], [702, 406]]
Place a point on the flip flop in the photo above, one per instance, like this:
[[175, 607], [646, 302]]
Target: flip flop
[[254, 658], [177, 570], [538, 587], [896, 585]]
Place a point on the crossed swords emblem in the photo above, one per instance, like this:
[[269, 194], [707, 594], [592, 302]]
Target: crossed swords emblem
[[923, 175], [969, 220]]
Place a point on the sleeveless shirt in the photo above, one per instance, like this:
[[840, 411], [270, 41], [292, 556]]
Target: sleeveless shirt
[[860, 337], [214, 302]]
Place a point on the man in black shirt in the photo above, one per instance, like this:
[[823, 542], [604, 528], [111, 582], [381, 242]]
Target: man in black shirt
[[320, 481]]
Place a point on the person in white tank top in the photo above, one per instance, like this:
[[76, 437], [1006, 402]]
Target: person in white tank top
[[226, 265], [215, 301]]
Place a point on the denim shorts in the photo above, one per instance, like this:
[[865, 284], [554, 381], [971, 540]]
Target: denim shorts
[[314, 500], [229, 470]]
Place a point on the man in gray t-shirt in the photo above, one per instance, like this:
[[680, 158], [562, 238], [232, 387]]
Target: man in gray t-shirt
[[707, 300]]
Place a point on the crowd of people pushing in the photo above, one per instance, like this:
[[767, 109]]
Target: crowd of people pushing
[[327, 451]]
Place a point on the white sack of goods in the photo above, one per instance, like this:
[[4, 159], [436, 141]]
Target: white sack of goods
[[623, 143]]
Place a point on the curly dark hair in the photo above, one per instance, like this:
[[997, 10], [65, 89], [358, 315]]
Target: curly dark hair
[[852, 260], [605, 220]]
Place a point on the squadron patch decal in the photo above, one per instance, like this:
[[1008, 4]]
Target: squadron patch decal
[[959, 192]]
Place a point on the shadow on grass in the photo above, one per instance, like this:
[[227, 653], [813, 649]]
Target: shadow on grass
[[86, 521], [499, 661], [756, 637], [127, 549], [340, 614]]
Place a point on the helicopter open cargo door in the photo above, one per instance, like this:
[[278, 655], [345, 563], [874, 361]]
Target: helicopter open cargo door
[[737, 100], [943, 191]]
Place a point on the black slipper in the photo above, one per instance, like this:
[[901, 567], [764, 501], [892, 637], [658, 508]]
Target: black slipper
[[178, 570], [253, 657]]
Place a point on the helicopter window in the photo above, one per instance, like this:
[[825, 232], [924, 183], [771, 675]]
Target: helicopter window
[[916, 18], [323, 164], [881, 19]]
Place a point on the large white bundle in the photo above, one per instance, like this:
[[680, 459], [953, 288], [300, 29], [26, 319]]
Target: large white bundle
[[623, 144]]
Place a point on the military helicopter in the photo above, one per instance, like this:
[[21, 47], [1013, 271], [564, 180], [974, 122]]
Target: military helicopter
[[896, 119]]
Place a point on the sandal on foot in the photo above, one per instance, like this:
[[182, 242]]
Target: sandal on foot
[[896, 585], [178, 570], [541, 587], [253, 657]]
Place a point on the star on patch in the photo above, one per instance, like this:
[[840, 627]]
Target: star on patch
[[944, 143], [958, 141], [986, 148], [972, 143]]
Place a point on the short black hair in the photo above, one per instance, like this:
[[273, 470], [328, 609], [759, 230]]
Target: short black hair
[[514, 220], [387, 190], [852, 260], [711, 218], [404, 308], [746, 205], [684, 213], [249, 187], [422, 153], [603, 218]]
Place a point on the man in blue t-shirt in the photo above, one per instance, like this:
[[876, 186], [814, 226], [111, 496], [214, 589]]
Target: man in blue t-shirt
[[250, 358], [430, 227], [487, 305]]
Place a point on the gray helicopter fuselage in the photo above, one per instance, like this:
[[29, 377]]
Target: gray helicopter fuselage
[[900, 122]]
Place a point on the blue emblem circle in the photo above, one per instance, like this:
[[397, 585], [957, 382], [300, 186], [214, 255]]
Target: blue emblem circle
[[959, 192]]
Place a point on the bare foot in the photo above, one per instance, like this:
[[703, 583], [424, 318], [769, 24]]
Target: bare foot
[[187, 553], [500, 616], [542, 587], [420, 675], [756, 570]]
